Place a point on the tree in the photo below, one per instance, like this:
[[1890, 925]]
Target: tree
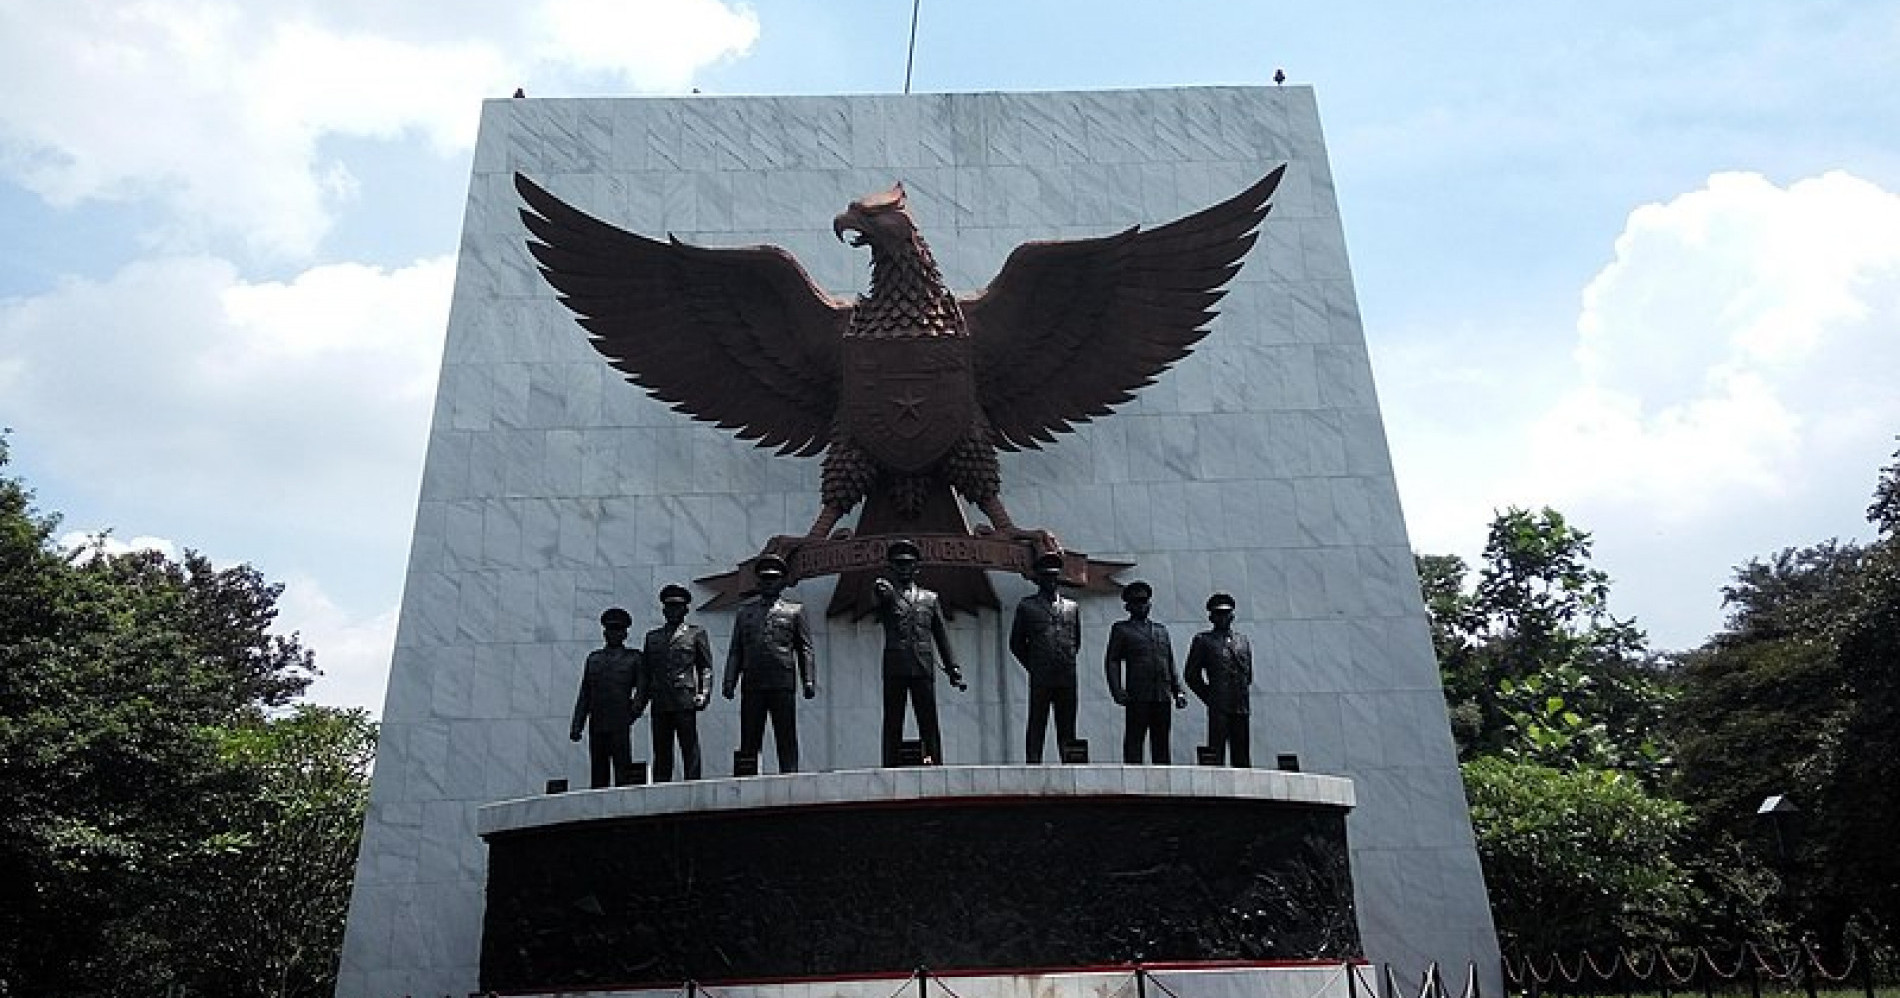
[[1575, 858], [1800, 695], [1762, 701], [266, 916], [125, 683], [1556, 708], [1532, 661], [1865, 796]]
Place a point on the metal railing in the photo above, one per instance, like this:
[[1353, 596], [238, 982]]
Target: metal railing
[[1669, 971]]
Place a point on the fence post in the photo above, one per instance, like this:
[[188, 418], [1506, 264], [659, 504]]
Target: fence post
[[1141, 981], [1866, 969], [1352, 981], [923, 989], [1810, 967], [1754, 978], [692, 989]]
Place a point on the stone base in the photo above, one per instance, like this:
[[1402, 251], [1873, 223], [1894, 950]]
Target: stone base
[[869, 874]]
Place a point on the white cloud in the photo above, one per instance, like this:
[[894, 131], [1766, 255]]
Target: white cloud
[[1730, 392], [85, 541], [353, 650], [176, 385], [659, 45], [1744, 335], [219, 108]]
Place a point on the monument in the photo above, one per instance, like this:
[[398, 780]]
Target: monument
[[1255, 466]]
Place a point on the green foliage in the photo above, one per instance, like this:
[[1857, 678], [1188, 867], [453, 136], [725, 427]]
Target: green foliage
[[1575, 857], [1573, 736], [1799, 695], [1864, 798], [287, 858], [130, 686], [1557, 711], [1534, 665]]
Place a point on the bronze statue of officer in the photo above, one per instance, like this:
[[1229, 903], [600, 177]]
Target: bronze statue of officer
[[770, 657], [1142, 678], [1044, 638], [1220, 672], [604, 706], [914, 641], [676, 678]]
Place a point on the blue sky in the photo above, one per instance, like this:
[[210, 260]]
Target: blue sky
[[1637, 261]]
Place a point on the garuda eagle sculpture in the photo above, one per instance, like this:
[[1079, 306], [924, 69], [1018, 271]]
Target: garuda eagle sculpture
[[910, 390]]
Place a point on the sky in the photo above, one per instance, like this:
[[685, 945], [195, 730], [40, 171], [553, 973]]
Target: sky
[[1638, 262]]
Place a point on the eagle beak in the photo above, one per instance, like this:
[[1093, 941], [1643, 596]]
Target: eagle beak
[[847, 222]]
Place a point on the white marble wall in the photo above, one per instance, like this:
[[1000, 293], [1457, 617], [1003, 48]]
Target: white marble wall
[[1258, 465]]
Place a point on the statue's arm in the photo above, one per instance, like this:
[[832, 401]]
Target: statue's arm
[[1111, 664], [580, 706], [942, 636], [735, 656], [1019, 636], [802, 647], [643, 681], [1174, 677], [886, 596], [702, 667], [1197, 668]]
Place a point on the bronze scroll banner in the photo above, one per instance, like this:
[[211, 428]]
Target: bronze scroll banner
[[807, 558]]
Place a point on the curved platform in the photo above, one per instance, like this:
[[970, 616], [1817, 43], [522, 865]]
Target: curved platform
[[869, 874]]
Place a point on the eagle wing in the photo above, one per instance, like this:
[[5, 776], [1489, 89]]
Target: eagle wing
[[737, 337], [1068, 330]]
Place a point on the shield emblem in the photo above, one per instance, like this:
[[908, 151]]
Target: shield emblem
[[907, 400]]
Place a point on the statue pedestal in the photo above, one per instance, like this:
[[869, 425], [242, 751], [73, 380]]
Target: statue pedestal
[[1003, 881]]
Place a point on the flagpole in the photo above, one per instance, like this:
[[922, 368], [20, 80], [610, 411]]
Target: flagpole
[[910, 55]]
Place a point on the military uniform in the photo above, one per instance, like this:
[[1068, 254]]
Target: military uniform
[[1044, 638], [604, 708], [1220, 672], [676, 679], [914, 635], [770, 658], [1142, 678]]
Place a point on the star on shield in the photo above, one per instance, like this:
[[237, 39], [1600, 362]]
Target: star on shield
[[908, 406]]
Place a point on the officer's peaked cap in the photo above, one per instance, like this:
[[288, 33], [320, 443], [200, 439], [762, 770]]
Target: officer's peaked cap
[[676, 593]]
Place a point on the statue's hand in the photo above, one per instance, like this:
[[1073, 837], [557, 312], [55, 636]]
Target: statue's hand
[[574, 734], [811, 690], [1121, 699], [1180, 701], [883, 588], [956, 679], [700, 700], [726, 691]]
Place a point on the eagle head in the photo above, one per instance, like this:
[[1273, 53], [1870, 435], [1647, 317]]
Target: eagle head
[[880, 221]]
